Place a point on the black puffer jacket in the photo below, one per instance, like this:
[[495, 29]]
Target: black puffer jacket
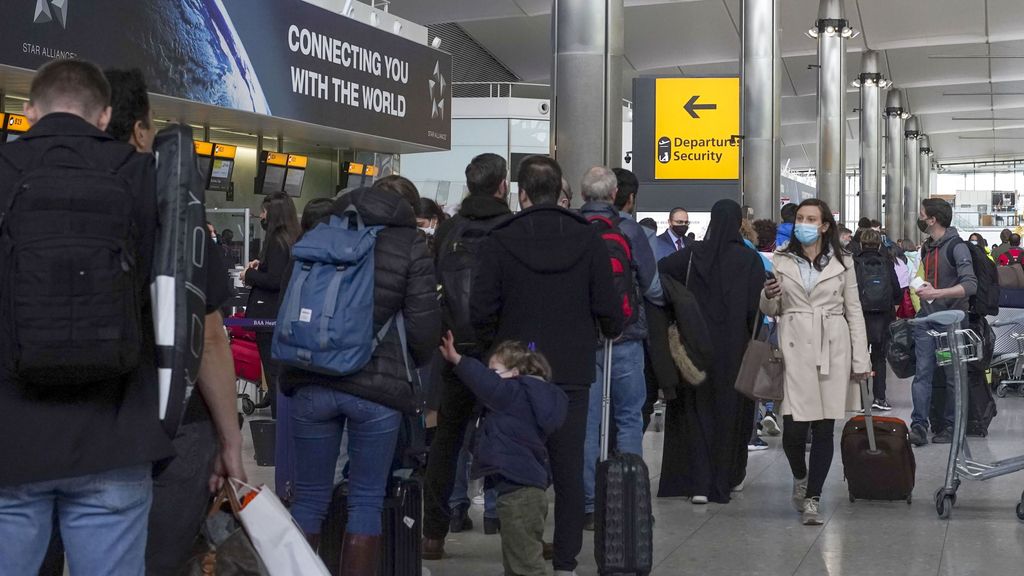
[[404, 280]]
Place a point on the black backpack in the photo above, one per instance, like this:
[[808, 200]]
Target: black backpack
[[620, 251], [72, 290], [985, 301], [456, 264], [874, 281], [900, 351]]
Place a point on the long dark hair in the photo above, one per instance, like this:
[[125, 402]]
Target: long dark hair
[[282, 221], [829, 240]]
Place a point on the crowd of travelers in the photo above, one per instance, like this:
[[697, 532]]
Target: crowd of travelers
[[500, 314]]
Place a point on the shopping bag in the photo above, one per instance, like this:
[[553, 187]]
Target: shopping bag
[[229, 550], [275, 535]]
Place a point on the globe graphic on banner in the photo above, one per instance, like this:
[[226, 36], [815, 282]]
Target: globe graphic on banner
[[192, 50]]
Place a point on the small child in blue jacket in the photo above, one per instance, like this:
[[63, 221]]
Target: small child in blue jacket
[[523, 409]]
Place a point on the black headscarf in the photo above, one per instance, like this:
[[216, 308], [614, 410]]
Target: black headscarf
[[724, 230]]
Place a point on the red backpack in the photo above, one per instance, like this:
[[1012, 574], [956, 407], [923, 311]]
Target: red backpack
[[1014, 256], [623, 267]]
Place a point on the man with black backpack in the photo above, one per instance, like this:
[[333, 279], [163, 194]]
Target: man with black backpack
[[880, 294], [458, 241], [950, 283], [78, 382], [635, 278], [545, 280]]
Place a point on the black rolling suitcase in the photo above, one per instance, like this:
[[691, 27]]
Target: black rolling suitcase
[[623, 527], [878, 461], [401, 530]]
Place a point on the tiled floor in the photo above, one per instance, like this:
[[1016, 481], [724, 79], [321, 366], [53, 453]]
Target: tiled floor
[[759, 533]]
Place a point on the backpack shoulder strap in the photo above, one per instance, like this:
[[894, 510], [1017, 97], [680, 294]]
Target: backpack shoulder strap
[[950, 257]]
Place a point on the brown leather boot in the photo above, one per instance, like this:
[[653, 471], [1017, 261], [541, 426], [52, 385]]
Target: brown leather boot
[[432, 549], [359, 555]]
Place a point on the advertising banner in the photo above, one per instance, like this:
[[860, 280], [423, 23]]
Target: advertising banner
[[284, 58]]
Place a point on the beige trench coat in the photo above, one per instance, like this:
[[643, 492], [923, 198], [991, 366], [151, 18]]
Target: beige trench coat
[[822, 338]]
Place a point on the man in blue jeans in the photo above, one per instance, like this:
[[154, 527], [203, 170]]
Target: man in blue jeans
[[949, 283], [85, 450], [629, 387]]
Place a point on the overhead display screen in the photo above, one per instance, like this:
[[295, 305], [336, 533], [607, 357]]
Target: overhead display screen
[[273, 179], [293, 182], [220, 174]]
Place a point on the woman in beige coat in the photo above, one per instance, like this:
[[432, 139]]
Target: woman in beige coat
[[823, 341]]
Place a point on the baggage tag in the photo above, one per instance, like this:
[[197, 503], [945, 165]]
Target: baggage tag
[[305, 315], [409, 522]]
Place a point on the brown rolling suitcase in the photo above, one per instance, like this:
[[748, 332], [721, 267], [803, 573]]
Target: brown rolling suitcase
[[878, 460]]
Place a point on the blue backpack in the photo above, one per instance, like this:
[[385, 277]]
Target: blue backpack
[[325, 324]]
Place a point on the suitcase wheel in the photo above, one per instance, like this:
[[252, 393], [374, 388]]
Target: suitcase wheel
[[1002, 390], [852, 498], [248, 406], [1020, 511]]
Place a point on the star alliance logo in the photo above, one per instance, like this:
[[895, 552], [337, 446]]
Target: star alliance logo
[[437, 88], [45, 14]]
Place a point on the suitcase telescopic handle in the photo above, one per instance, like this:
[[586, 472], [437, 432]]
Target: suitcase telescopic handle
[[869, 420], [606, 398]]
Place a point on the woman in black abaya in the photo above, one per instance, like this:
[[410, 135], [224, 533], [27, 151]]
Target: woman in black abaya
[[707, 428]]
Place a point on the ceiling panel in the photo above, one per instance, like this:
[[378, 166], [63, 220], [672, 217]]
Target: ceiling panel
[[896, 23], [523, 44], [653, 38], [1006, 20], [437, 11], [803, 72], [1008, 69], [912, 67]]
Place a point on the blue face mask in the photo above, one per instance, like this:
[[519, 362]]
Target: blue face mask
[[806, 233]]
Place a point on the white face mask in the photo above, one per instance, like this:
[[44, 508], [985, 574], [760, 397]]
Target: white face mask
[[428, 231]]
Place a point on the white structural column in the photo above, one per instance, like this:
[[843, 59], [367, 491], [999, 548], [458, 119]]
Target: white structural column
[[760, 72], [871, 84], [586, 85], [894, 199], [832, 30]]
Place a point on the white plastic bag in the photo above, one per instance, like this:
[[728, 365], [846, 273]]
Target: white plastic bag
[[277, 538]]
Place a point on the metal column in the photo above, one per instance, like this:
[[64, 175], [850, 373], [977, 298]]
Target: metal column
[[911, 190], [871, 84], [586, 85], [924, 173], [894, 200], [760, 71], [832, 29]]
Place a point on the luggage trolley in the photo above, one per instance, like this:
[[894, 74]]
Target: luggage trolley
[[957, 347], [1008, 360]]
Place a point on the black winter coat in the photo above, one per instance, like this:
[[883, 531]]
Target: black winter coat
[[545, 278], [404, 280], [265, 280]]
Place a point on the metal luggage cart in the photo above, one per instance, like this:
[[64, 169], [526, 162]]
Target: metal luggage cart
[[957, 347], [1008, 361]]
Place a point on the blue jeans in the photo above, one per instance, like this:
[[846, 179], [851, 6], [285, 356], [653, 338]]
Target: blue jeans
[[319, 415], [104, 521], [629, 391], [921, 391], [460, 492]]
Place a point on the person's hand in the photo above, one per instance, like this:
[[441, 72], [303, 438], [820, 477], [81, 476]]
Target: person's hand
[[228, 465], [927, 292], [772, 288], [253, 264], [448, 349], [861, 376]]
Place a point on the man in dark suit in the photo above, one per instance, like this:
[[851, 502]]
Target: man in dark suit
[[673, 239]]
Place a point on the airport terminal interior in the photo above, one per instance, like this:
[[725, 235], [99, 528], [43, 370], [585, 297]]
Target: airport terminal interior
[[869, 105]]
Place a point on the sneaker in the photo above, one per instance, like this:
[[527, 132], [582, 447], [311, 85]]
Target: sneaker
[[588, 522], [738, 488], [699, 500], [810, 516], [479, 500], [460, 522], [918, 435], [771, 425], [944, 437], [757, 444], [880, 405], [491, 526], [799, 494]]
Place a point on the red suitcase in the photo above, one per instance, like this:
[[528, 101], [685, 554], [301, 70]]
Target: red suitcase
[[247, 360], [878, 460]]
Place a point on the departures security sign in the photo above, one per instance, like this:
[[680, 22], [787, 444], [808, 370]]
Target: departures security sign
[[696, 124]]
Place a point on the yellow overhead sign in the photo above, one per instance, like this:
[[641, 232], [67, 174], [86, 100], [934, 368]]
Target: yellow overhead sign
[[696, 124]]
